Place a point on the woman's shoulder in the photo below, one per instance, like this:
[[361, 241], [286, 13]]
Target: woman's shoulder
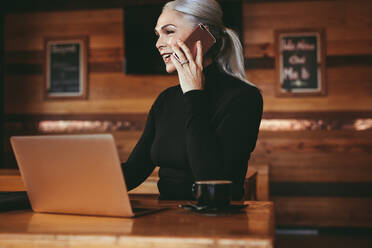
[[171, 91], [167, 94], [235, 87]]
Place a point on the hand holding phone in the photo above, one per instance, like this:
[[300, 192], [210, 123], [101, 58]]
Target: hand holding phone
[[192, 78]]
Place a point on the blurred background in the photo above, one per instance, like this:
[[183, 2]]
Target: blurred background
[[314, 153]]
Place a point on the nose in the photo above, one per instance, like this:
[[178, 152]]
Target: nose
[[160, 43]]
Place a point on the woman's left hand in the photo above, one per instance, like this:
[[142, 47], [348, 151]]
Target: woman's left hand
[[190, 71]]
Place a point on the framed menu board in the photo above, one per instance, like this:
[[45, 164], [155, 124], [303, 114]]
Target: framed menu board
[[66, 67], [300, 62]]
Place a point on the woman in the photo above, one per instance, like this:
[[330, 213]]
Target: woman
[[206, 127]]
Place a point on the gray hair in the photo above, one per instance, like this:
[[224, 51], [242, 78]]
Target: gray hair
[[228, 50]]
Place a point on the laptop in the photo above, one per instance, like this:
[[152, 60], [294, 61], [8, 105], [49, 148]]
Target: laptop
[[74, 174]]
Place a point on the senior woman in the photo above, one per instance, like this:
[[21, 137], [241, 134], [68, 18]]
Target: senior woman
[[206, 127]]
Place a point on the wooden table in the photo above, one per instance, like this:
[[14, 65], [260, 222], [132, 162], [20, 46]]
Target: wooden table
[[174, 227], [10, 180]]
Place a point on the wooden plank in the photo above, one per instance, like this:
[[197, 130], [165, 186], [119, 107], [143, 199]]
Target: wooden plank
[[323, 211], [18, 67], [112, 40], [44, 5], [258, 35], [334, 47], [322, 172], [359, 102], [322, 189], [340, 238], [27, 30], [308, 158], [133, 105], [284, 13], [119, 86], [347, 47], [37, 19], [54, 30], [347, 60], [150, 185], [317, 19], [263, 188], [106, 54], [259, 63], [107, 86], [323, 141], [37, 56], [356, 75], [109, 93], [10, 180], [261, 19], [252, 227], [24, 57], [283, 8]]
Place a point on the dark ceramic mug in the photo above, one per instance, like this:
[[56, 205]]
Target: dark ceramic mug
[[213, 193]]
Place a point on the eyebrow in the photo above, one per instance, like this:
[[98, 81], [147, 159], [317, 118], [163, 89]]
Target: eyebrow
[[163, 27]]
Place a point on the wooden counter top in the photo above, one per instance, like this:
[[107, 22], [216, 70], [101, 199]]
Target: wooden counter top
[[174, 227]]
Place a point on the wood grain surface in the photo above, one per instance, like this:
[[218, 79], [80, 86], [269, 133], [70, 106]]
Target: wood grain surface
[[252, 227]]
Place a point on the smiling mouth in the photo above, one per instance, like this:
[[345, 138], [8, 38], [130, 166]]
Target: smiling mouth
[[166, 57]]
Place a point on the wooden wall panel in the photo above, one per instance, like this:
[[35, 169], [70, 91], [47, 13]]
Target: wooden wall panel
[[108, 93], [323, 211], [347, 33], [333, 47], [316, 156], [325, 162], [345, 85], [26, 30]]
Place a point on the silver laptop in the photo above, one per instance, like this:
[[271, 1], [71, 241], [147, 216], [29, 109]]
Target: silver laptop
[[74, 174]]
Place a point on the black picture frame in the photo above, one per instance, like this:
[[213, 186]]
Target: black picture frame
[[300, 62], [66, 67]]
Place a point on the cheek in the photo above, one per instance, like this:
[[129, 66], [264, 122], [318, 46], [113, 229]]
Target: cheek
[[170, 68], [172, 41]]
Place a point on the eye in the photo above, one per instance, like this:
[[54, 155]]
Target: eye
[[169, 31]]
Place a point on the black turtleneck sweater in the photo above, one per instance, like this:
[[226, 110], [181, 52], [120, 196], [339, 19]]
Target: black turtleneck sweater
[[200, 135]]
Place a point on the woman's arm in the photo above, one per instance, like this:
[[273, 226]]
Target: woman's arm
[[139, 165]]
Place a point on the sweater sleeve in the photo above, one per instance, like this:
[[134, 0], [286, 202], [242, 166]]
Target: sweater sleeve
[[139, 165], [222, 151]]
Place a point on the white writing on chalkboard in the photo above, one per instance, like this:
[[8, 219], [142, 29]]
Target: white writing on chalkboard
[[289, 45], [296, 60], [291, 74], [63, 49]]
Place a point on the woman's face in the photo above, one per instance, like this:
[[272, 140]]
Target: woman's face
[[171, 26]]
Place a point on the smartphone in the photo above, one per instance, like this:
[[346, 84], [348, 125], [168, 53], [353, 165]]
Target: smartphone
[[201, 33]]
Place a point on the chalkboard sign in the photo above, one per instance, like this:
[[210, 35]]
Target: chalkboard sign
[[66, 68], [300, 62]]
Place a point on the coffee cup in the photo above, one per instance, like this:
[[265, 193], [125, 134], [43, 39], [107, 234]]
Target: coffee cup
[[213, 193]]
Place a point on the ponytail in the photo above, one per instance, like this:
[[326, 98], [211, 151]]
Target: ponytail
[[230, 56]]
